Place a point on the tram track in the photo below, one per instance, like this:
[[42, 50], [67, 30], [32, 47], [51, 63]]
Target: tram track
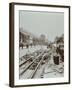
[[36, 63], [30, 64], [29, 58]]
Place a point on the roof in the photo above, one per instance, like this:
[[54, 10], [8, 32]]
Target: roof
[[24, 32]]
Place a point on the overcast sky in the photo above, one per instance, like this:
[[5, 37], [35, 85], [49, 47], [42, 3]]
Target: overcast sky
[[49, 23]]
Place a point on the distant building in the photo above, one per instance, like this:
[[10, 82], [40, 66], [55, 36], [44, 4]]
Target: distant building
[[42, 37], [24, 37]]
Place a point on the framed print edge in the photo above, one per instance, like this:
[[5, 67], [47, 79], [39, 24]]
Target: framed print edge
[[11, 44], [69, 44]]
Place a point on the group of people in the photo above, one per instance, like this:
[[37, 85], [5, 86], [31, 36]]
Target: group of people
[[58, 56]]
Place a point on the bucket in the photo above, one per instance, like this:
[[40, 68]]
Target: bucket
[[56, 60]]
